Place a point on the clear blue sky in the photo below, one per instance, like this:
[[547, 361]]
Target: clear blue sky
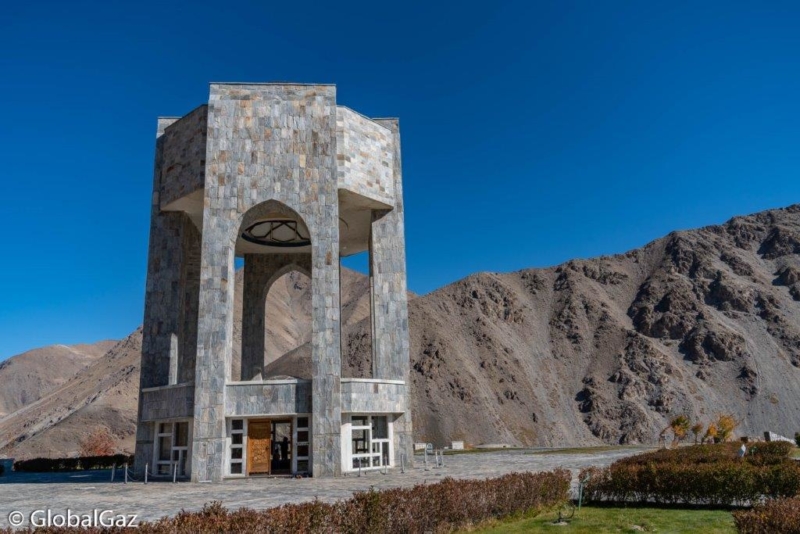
[[532, 132]]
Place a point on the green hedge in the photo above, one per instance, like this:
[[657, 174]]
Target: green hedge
[[698, 475], [51, 465], [779, 516]]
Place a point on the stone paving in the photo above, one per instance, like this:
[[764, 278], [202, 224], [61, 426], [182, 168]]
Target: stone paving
[[84, 492]]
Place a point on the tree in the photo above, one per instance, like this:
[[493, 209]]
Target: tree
[[697, 428], [726, 424], [99, 443], [680, 428], [711, 432]]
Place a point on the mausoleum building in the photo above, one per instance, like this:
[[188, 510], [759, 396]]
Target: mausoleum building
[[282, 178]]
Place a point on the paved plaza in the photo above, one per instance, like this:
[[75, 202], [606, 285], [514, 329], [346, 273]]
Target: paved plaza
[[84, 492]]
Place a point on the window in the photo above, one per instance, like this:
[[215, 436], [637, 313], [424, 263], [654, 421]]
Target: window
[[236, 465], [302, 443], [172, 448], [370, 444]]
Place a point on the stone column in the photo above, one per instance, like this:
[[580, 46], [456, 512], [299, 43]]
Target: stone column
[[162, 301], [214, 338], [326, 359], [190, 282], [254, 296], [390, 298]]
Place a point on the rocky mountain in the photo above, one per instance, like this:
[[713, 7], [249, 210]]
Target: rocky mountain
[[28, 376], [606, 350]]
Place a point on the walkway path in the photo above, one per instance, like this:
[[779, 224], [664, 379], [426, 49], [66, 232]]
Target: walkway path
[[84, 492]]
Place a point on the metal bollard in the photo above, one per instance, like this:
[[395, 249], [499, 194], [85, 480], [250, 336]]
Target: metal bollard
[[426, 458], [125, 467], [402, 463], [113, 471], [146, 469], [174, 473], [359, 467]]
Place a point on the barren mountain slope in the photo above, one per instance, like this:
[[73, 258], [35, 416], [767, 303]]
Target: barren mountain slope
[[104, 393], [27, 376], [700, 322], [604, 350]]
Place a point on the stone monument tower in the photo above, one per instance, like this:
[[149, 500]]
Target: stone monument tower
[[283, 178]]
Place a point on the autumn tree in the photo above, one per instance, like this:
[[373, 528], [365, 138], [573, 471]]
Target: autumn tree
[[726, 424], [99, 442], [711, 432], [680, 428]]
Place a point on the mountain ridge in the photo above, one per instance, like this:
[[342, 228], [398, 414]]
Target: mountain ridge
[[600, 350]]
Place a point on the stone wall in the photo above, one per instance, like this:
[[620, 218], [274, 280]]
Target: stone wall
[[364, 395], [364, 156], [167, 402], [274, 397], [184, 155]]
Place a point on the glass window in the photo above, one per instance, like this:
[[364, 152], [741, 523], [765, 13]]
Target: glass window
[[302, 450], [236, 453], [302, 466], [236, 469], [380, 427], [237, 424], [302, 435], [302, 422], [360, 441], [165, 428], [164, 448], [370, 447], [181, 434], [237, 439]]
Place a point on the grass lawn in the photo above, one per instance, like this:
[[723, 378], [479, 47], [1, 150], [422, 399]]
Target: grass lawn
[[591, 520]]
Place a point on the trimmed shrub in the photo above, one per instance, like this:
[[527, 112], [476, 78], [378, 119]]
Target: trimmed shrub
[[777, 516], [442, 507], [53, 465], [702, 474]]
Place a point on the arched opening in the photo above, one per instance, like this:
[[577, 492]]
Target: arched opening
[[272, 295], [287, 345]]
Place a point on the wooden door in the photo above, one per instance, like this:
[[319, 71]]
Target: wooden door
[[259, 447]]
